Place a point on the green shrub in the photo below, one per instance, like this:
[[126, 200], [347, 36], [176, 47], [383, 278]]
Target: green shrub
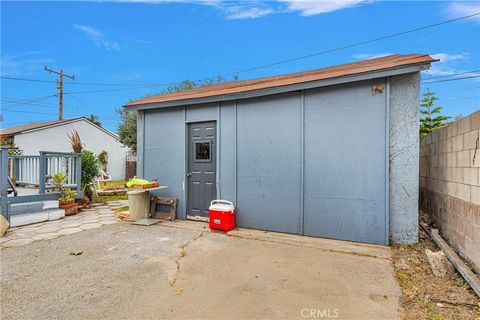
[[90, 168]]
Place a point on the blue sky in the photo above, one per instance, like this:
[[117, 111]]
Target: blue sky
[[136, 46]]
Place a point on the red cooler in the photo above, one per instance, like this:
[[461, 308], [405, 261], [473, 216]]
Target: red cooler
[[222, 215]]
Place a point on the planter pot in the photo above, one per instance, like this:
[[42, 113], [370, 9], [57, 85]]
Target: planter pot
[[71, 211], [77, 149], [67, 204], [86, 201]]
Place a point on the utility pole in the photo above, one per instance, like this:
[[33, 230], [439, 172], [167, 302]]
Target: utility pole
[[60, 88]]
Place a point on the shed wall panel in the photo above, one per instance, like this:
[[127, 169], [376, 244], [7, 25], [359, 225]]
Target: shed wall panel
[[345, 163], [268, 162], [164, 152], [201, 113], [226, 174]]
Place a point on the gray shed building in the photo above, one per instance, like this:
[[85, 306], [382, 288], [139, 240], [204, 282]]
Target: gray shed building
[[331, 152]]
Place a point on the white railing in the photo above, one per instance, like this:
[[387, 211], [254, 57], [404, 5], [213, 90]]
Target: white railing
[[25, 169], [62, 164], [35, 170]]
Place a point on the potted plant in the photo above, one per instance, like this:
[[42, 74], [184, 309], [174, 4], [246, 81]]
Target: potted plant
[[66, 200], [58, 180], [75, 141]]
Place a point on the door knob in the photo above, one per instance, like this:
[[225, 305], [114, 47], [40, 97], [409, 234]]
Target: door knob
[[189, 174]]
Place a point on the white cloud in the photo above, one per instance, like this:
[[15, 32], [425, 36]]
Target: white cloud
[[460, 9], [23, 64], [205, 2], [366, 56], [447, 57], [314, 7], [242, 12], [98, 38], [448, 64], [256, 9]]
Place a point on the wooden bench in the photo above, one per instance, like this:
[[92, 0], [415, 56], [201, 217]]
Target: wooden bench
[[165, 202]]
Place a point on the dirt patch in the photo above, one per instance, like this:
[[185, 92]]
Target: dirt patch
[[426, 296]]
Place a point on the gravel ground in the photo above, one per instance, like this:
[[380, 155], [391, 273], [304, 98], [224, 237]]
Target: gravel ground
[[136, 272]]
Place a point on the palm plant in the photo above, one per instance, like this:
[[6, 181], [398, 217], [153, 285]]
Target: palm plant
[[58, 180], [75, 141]]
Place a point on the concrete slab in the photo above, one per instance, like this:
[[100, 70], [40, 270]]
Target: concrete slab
[[88, 226], [45, 236], [107, 221], [48, 228], [69, 231], [16, 242], [184, 271], [70, 224]]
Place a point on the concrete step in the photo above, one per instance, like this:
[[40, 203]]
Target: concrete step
[[27, 207], [50, 204], [30, 207], [36, 217]]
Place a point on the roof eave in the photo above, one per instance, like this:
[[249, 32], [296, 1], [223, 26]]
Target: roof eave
[[417, 67], [70, 121]]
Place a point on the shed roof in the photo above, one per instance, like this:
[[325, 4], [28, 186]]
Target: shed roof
[[235, 87]]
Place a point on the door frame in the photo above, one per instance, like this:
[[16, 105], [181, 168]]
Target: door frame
[[186, 166]]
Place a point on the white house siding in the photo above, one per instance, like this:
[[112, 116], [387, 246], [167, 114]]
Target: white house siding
[[95, 139]]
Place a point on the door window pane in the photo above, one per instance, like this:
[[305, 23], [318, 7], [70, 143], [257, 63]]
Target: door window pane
[[202, 151]]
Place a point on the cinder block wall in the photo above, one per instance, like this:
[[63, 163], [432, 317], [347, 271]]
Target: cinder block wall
[[450, 184]]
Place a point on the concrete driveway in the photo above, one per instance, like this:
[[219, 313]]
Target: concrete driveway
[[180, 270]]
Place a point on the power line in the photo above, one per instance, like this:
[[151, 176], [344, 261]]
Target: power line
[[26, 79], [92, 83], [79, 100], [107, 90], [356, 44], [10, 107], [32, 100], [352, 45], [454, 79], [15, 100], [451, 75], [461, 99], [34, 112]]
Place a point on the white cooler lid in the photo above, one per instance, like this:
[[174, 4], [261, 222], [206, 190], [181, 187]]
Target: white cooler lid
[[221, 207]]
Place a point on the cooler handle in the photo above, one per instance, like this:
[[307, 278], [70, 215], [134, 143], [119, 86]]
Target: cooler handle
[[221, 201]]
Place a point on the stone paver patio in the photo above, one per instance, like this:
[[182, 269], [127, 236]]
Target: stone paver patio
[[86, 219]]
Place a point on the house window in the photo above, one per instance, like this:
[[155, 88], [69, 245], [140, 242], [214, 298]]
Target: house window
[[202, 151]]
